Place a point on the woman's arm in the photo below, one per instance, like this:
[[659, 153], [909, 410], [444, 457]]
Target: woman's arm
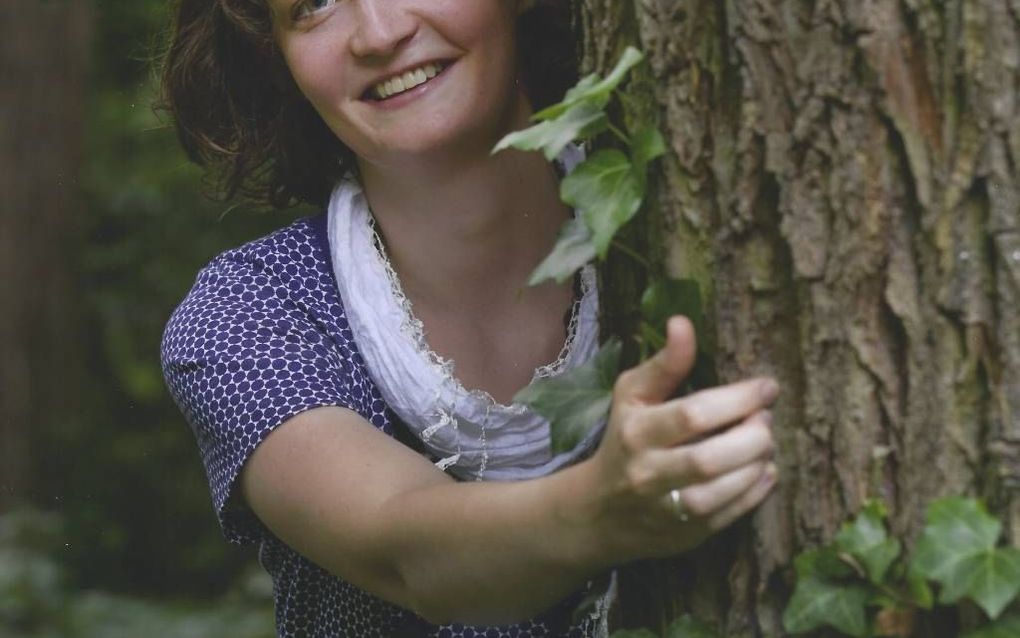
[[377, 514]]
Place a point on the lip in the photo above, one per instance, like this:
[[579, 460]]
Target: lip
[[398, 99]]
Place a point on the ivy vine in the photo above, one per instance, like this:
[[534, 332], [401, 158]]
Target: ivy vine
[[862, 584], [607, 190]]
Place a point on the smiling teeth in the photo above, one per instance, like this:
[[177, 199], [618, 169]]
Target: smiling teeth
[[406, 81]]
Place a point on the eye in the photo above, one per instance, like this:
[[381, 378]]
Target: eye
[[304, 9]]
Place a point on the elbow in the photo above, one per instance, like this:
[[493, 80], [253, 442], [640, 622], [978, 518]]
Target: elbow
[[406, 588]]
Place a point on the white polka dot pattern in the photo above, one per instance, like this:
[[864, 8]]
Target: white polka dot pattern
[[261, 337]]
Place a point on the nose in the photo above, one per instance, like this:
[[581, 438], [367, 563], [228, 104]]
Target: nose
[[382, 26]]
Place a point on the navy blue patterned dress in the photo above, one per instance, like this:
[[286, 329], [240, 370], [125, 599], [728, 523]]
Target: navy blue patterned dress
[[261, 337]]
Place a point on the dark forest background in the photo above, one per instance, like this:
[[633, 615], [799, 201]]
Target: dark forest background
[[106, 527]]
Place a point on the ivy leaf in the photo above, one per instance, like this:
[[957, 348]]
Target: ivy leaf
[[577, 400], [592, 90], [1006, 627], [573, 250], [991, 579], [818, 601], [957, 549], [823, 563], [608, 192], [689, 627], [664, 298], [667, 297], [646, 144], [919, 589], [866, 539], [956, 527], [552, 136], [583, 91]]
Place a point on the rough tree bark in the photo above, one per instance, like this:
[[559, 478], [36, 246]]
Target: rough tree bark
[[843, 180], [43, 53]]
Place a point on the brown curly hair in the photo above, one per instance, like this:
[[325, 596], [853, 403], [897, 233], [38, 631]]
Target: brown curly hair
[[255, 134]]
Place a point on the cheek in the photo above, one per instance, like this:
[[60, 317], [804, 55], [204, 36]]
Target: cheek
[[318, 61], [313, 78], [322, 85], [476, 21]]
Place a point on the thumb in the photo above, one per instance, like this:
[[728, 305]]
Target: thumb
[[654, 380]]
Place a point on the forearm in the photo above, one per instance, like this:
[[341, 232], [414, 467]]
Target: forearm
[[492, 552], [386, 520], [378, 515]]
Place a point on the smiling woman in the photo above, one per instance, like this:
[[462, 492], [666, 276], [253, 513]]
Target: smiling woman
[[257, 134], [349, 378], [341, 54]]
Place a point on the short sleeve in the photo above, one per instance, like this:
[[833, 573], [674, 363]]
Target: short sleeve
[[245, 351]]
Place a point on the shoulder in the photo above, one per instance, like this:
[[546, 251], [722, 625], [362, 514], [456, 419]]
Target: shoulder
[[278, 289], [290, 256], [286, 267], [260, 338]]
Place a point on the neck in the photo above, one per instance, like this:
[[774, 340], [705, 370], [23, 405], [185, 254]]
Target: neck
[[467, 233]]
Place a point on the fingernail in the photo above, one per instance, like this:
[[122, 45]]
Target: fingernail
[[769, 390], [769, 475], [766, 416]]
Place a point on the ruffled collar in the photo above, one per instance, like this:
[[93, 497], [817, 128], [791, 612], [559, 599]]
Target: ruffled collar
[[472, 435]]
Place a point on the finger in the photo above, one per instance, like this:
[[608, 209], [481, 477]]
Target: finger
[[705, 499], [745, 502], [742, 444], [707, 460], [655, 379], [682, 420]]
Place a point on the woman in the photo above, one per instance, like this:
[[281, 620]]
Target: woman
[[349, 377]]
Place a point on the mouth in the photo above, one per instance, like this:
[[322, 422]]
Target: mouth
[[403, 82]]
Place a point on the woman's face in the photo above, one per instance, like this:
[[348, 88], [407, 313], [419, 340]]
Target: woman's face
[[399, 79]]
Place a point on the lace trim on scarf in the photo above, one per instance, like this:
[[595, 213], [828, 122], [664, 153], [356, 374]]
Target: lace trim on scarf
[[414, 329]]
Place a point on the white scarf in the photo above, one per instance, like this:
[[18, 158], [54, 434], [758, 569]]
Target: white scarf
[[472, 435]]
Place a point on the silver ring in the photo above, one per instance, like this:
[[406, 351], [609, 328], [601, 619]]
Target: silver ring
[[676, 506]]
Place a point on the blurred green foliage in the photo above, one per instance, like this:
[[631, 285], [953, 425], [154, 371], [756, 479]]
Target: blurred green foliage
[[124, 473], [37, 602]]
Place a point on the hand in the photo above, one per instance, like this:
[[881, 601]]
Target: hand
[[714, 447]]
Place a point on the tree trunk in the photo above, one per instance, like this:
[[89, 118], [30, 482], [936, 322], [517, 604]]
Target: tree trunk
[[43, 49], [844, 181]]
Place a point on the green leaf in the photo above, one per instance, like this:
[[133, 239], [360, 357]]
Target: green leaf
[[957, 549], [633, 633], [591, 90], [919, 589], [608, 192], [689, 627], [956, 528], [577, 400], [573, 250], [667, 297], [1006, 627], [650, 339], [817, 602], [552, 136], [645, 145], [823, 563], [664, 298], [866, 539], [574, 96], [991, 579]]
